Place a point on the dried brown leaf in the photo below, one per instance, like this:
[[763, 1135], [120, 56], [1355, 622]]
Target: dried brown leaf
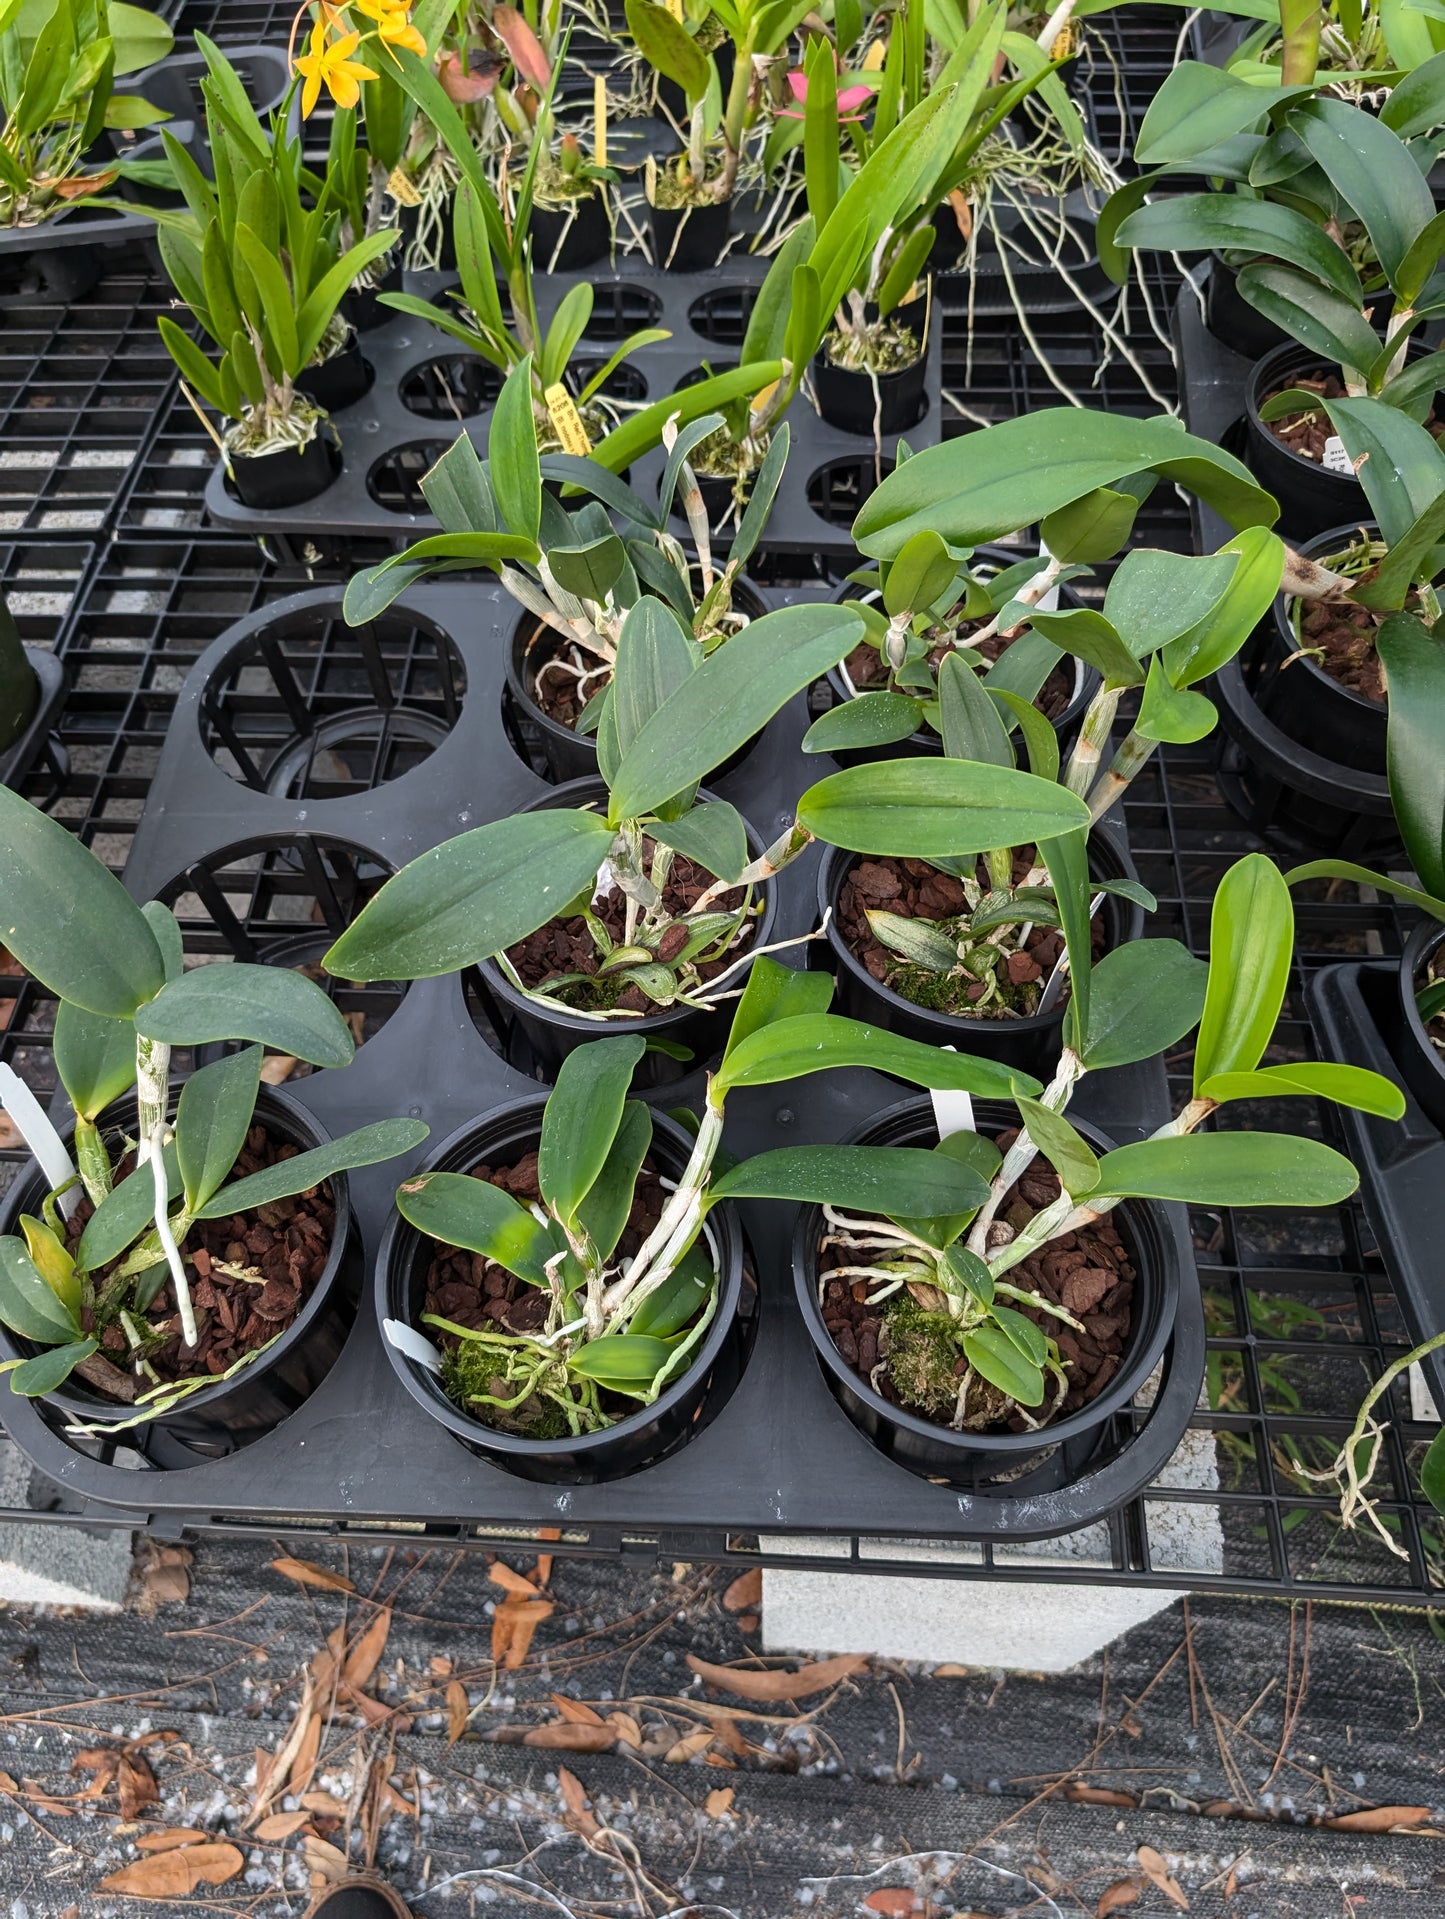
[[689, 1747], [1156, 1870], [7, 1784], [277, 1068], [172, 1836], [273, 1772], [439, 1666], [510, 1581], [325, 1802], [323, 1858], [626, 1727], [745, 1594], [950, 1670], [458, 1709], [137, 1786], [543, 1573], [720, 1759], [562, 1737], [513, 1624], [750, 1682], [719, 1802], [1122, 1893], [580, 1816], [573, 1709], [281, 1825], [305, 1574], [1379, 1819], [364, 1654], [303, 1767], [1099, 1796], [894, 1902], [170, 1875]]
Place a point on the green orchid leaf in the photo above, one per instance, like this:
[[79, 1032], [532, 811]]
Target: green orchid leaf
[[512, 455], [1401, 468], [214, 1115], [1143, 998], [995, 1358], [46, 1371], [28, 1305], [1352, 1086], [1093, 527], [1219, 222], [1063, 1146], [1156, 596], [1228, 1169], [126, 1212], [923, 809], [603, 1210], [655, 656], [732, 696], [589, 572], [1311, 314], [94, 1056], [1088, 636], [1371, 169], [1414, 663], [1022, 1333], [678, 1300], [713, 834], [53, 1262], [367, 1146], [270, 1004], [458, 1210], [1172, 713], [920, 575], [1067, 859], [473, 896], [68, 920], [1432, 1472], [814, 1042], [1251, 944], [582, 1118], [964, 1274], [900, 1182], [775, 992], [872, 719], [626, 1362], [968, 719]]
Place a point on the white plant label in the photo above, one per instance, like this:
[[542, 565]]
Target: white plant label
[[1336, 459], [40, 1136], [952, 1112], [415, 1345]]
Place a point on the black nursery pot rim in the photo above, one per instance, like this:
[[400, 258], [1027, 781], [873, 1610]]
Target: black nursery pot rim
[[579, 792], [1420, 948], [1141, 1229], [305, 1130], [1269, 370], [836, 864], [402, 1244], [1336, 538]]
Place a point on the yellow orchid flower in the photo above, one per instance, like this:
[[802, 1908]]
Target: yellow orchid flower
[[393, 28], [330, 64]]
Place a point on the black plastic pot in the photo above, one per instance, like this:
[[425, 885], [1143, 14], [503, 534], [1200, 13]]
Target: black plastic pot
[[1312, 498], [235, 1412], [565, 238], [641, 1438], [19, 685], [339, 381], [848, 400], [1302, 699], [289, 477], [925, 743], [1060, 1452], [1232, 320], [1422, 1065], [67, 274], [1031, 1043], [690, 239], [550, 1036], [571, 755], [671, 97]]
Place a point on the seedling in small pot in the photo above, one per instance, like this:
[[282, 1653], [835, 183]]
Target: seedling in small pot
[[582, 576], [59, 62], [1338, 245], [947, 1296], [125, 1001], [261, 270], [1168, 621], [626, 1308]]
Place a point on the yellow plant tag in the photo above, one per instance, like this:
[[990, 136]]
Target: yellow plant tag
[[599, 120], [674, 7], [567, 420], [402, 188], [875, 56], [760, 400]]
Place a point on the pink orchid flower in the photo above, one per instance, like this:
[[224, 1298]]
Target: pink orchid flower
[[851, 100]]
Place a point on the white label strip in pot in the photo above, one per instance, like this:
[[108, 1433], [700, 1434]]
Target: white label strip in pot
[[952, 1111], [415, 1345], [40, 1136]]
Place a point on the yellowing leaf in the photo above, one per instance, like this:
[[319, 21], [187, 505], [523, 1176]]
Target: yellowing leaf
[[305, 1574], [171, 1875]]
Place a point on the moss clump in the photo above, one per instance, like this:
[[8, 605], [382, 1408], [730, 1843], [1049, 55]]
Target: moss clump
[[469, 1372], [922, 1350]]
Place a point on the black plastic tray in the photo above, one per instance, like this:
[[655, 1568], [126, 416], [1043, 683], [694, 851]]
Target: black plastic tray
[[386, 447], [780, 1457], [1401, 1163]]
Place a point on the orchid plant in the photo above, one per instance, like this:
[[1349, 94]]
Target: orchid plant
[[125, 1000]]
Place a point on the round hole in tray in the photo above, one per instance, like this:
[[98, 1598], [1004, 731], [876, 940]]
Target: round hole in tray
[[309, 708], [625, 382], [394, 480], [723, 313], [450, 386], [283, 900], [620, 307], [838, 488]]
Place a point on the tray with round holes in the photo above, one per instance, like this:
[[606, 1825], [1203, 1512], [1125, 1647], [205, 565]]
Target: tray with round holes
[[304, 763], [427, 387]]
